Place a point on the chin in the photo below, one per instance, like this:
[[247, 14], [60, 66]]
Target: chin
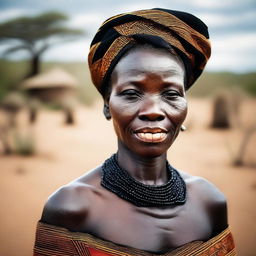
[[152, 155], [150, 152]]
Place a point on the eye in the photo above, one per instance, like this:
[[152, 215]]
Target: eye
[[131, 94], [171, 94]]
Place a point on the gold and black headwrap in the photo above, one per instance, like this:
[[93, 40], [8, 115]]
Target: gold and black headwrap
[[173, 30]]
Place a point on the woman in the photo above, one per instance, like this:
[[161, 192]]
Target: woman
[[136, 203]]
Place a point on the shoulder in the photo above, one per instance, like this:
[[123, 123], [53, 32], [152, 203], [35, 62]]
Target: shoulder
[[211, 199], [69, 206], [204, 189]]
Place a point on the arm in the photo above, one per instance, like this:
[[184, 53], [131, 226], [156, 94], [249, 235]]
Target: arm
[[215, 204]]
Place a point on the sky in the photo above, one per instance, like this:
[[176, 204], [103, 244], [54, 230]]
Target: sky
[[231, 24]]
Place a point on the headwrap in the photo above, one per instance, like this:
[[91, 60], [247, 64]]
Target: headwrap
[[173, 30]]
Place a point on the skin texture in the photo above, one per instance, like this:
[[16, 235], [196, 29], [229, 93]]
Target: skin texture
[[147, 96]]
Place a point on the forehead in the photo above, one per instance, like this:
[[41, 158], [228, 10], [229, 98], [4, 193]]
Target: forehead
[[141, 61]]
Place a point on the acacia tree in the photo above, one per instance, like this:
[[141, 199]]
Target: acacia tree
[[36, 35]]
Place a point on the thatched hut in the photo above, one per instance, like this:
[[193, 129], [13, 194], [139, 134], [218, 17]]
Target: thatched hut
[[55, 86]]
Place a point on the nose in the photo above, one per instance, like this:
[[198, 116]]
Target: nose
[[151, 110]]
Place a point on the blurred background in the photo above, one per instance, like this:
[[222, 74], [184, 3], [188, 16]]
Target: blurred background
[[52, 129]]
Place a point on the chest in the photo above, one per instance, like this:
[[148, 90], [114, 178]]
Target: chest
[[151, 229]]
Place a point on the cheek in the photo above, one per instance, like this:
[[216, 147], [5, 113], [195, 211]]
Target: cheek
[[121, 109], [122, 116], [179, 112]]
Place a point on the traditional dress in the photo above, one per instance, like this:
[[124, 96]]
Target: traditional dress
[[57, 241]]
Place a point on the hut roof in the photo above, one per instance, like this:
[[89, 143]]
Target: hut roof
[[54, 78]]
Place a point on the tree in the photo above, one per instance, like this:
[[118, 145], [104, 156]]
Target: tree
[[36, 35]]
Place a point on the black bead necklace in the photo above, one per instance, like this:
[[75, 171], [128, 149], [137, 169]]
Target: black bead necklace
[[118, 181]]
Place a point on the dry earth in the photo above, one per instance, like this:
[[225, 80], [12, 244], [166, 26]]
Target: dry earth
[[66, 152]]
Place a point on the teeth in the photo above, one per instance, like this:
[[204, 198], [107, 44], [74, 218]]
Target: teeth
[[148, 136], [156, 136], [152, 137]]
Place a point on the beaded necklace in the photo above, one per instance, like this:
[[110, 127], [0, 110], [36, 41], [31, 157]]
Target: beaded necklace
[[118, 181]]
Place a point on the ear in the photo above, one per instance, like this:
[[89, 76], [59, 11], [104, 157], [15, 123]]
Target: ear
[[106, 111]]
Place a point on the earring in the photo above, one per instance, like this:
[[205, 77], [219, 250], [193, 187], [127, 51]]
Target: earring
[[108, 117], [106, 112], [183, 128]]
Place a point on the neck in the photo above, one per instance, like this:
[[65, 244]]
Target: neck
[[147, 170]]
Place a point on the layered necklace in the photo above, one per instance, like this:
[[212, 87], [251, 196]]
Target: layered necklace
[[121, 183]]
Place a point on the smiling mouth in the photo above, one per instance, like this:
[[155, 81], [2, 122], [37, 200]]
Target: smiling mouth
[[151, 137]]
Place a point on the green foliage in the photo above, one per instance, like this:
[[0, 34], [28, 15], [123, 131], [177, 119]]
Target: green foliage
[[249, 82], [11, 73], [4, 89], [211, 83]]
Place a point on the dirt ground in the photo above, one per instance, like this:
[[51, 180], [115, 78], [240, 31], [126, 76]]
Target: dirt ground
[[66, 152]]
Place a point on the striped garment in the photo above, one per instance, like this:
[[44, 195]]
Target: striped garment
[[57, 241]]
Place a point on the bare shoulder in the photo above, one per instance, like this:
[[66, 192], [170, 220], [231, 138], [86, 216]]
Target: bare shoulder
[[211, 199], [204, 189], [69, 206]]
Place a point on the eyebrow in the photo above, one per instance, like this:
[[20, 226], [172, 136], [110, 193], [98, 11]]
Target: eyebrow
[[178, 86], [165, 85]]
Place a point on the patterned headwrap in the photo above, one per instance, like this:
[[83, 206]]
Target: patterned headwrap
[[173, 30]]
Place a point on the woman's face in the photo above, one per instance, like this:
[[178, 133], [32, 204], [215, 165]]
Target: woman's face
[[147, 102]]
